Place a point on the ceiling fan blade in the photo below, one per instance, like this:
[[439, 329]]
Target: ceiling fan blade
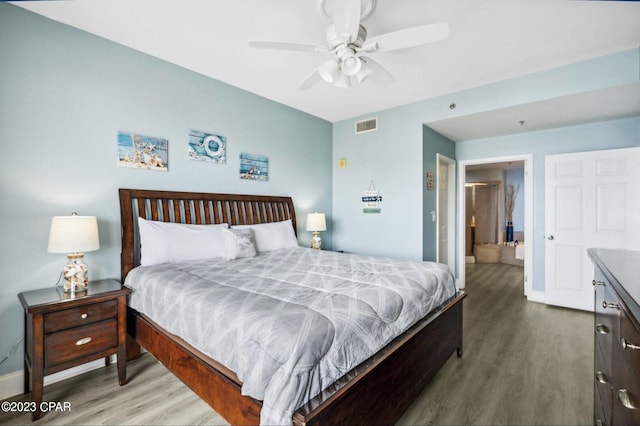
[[283, 45], [409, 37], [378, 72], [310, 81], [346, 19]]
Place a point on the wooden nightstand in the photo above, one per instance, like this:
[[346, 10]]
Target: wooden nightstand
[[62, 331]]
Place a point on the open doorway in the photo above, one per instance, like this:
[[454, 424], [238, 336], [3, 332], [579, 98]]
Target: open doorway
[[484, 212]]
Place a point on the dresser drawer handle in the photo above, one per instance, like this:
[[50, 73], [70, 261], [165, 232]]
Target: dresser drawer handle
[[602, 329], [594, 282], [625, 398], [83, 341], [84, 316], [627, 345], [606, 305], [601, 377]]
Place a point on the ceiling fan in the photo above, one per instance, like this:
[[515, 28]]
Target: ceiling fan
[[348, 43]]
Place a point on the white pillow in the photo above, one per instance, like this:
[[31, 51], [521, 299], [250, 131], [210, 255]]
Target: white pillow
[[239, 243], [163, 242], [273, 236]]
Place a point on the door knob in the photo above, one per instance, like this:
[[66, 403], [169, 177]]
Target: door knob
[[550, 237]]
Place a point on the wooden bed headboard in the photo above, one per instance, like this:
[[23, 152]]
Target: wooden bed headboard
[[193, 208]]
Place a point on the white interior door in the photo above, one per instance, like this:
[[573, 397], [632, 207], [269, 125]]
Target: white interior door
[[591, 200], [446, 210], [443, 214]]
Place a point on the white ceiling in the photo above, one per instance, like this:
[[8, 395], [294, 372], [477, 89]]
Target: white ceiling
[[489, 41], [598, 105]]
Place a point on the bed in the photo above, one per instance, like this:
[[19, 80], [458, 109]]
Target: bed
[[375, 391]]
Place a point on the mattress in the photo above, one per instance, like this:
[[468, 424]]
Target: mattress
[[292, 321]]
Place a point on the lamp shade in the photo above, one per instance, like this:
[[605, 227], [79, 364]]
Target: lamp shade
[[316, 222], [73, 234], [343, 81]]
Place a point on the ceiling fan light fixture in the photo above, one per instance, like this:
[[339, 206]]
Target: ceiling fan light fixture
[[346, 39], [351, 65], [328, 71]]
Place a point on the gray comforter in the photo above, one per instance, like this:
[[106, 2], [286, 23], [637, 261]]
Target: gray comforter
[[292, 321]]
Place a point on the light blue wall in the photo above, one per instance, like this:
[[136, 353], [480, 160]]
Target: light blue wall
[[393, 155], [64, 95], [392, 158], [591, 137]]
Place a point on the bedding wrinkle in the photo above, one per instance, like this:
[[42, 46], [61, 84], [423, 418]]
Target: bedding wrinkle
[[289, 322], [386, 302]]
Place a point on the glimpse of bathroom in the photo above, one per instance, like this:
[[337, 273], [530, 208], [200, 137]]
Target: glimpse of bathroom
[[495, 213]]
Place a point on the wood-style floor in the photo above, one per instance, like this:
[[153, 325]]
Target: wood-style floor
[[524, 363]]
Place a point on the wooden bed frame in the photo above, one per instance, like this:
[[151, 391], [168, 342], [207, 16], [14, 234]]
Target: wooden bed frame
[[377, 391]]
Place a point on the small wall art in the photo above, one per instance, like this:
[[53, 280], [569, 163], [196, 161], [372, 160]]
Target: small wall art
[[371, 200], [254, 167], [207, 147], [142, 152], [430, 181]]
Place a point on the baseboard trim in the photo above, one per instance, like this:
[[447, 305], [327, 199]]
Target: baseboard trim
[[11, 384]]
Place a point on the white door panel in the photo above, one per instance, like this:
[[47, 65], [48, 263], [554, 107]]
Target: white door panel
[[445, 206], [591, 199], [443, 214]]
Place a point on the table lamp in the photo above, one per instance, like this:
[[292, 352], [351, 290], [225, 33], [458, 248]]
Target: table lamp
[[74, 235], [316, 222]]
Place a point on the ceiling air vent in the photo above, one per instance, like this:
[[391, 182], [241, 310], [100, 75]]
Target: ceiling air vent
[[368, 125]]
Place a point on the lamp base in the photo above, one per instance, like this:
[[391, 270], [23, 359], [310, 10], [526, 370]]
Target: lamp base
[[75, 274], [316, 242]]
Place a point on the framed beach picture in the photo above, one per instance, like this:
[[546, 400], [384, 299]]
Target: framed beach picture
[[142, 152], [254, 167], [207, 147]]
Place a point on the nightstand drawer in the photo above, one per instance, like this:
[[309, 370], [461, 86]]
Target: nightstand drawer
[[74, 317], [77, 342]]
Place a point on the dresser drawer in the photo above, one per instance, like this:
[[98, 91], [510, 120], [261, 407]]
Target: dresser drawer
[[599, 417], [626, 396], [77, 342], [602, 383], [629, 343], [606, 317], [81, 315]]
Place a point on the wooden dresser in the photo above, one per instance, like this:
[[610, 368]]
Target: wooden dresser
[[617, 337]]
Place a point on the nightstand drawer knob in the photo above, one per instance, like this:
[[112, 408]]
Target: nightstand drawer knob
[[84, 316], [83, 341], [602, 329]]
